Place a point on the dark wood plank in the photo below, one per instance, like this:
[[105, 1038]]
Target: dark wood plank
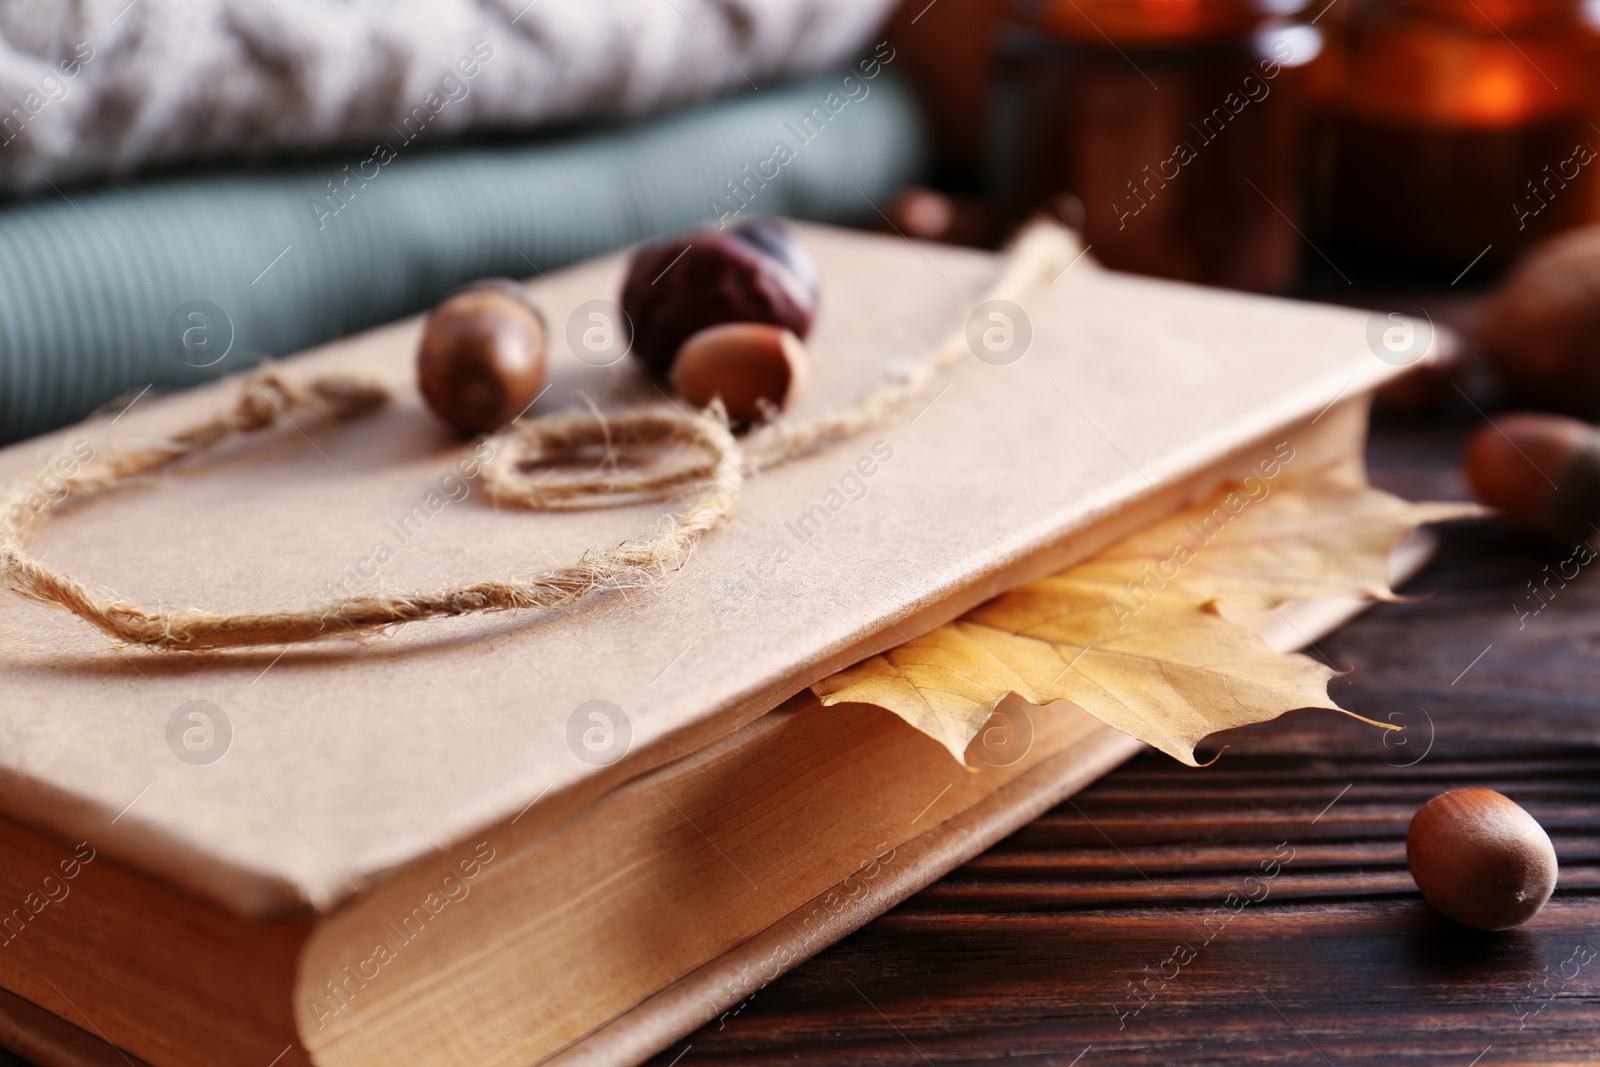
[[1104, 932]]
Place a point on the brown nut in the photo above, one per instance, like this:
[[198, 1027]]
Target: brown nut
[[752, 366], [923, 213], [1481, 859], [1542, 328], [756, 272], [930, 215], [482, 357], [1541, 472]]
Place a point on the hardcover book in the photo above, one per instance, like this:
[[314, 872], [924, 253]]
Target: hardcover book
[[574, 836]]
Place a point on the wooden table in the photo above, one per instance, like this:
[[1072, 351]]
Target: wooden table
[[1104, 933]]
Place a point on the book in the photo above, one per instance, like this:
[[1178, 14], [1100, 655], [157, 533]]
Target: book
[[410, 848]]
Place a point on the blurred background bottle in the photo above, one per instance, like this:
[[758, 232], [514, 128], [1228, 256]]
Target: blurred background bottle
[[1453, 129], [1177, 127]]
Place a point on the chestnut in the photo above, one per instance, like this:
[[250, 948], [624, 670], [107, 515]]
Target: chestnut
[[756, 272], [481, 361], [753, 367], [1481, 859]]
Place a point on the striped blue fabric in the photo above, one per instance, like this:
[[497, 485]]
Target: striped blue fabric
[[106, 291]]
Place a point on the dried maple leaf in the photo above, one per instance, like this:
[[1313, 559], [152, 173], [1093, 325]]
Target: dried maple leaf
[[1155, 658], [1327, 535], [943, 683]]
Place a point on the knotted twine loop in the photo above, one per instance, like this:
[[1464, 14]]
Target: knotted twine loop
[[528, 447], [1041, 253]]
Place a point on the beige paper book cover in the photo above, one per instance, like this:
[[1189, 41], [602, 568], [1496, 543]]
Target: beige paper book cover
[[323, 772]]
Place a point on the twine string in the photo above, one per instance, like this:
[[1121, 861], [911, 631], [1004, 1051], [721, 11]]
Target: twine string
[[707, 457]]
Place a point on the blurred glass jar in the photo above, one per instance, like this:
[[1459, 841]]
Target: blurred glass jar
[[1177, 125], [1454, 129]]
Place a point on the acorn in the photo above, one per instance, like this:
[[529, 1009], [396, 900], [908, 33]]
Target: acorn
[[1481, 859], [1542, 328], [756, 272], [481, 360], [1541, 472]]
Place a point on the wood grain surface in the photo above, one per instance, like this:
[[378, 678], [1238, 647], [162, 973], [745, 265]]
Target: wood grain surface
[[1259, 910]]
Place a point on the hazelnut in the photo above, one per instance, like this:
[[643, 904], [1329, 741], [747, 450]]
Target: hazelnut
[[752, 366], [1541, 472], [1542, 327], [756, 272], [1480, 859], [482, 357]]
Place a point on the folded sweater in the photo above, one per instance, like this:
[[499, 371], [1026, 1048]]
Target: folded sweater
[[103, 88], [171, 281]]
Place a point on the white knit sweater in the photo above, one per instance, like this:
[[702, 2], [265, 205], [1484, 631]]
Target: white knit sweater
[[100, 88]]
